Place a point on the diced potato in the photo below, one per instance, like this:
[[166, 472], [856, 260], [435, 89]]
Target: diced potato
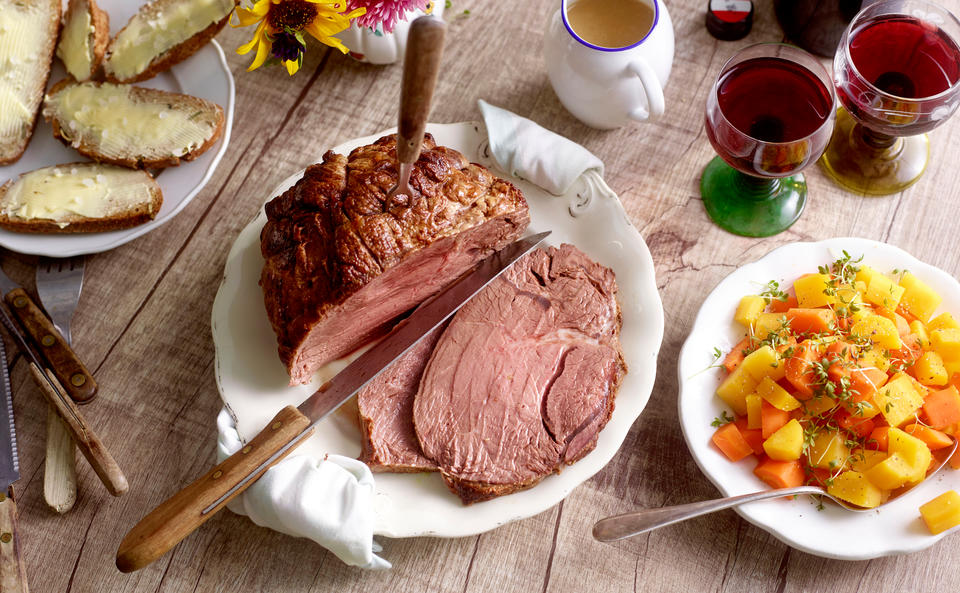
[[884, 292], [929, 369], [735, 388], [898, 400], [750, 307], [754, 404], [918, 299], [890, 473], [914, 451], [875, 356], [879, 330], [856, 489], [942, 513], [777, 396], [946, 342], [767, 323], [812, 290], [818, 405], [828, 451], [763, 362], [865, 274], [943, 321], [863, 459], [786, 444], [918, 329]]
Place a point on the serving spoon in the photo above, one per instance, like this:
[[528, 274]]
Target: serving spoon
[[629, 524], [421, 64]]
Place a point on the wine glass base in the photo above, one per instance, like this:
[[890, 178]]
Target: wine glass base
[[751, 206], [856, 165]]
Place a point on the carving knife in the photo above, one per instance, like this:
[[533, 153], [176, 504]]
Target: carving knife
[[12, 575], [186, 510], [66, 365]]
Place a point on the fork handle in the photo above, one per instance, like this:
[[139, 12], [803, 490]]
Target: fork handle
[[66, 365], [421, 65]]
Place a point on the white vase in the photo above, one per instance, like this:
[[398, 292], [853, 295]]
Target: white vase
[[376, 47]]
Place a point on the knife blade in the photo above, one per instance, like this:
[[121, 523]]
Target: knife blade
[[177, 517], [12, 574], [64, 362], [87, 440]]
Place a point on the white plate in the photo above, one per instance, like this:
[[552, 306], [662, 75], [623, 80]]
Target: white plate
[[253, 382], [205, 75], [895, 528]]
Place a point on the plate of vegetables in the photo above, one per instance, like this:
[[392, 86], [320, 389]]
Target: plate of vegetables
[[834, 363]]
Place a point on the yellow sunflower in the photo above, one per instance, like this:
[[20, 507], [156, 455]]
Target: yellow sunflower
[[282, 23]]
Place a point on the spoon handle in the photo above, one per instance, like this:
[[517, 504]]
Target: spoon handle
[[637, 522], [420, 68]]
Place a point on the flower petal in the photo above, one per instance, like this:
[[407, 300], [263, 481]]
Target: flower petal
[[257, 37], [263, 52], [292, 67], [324, 37]]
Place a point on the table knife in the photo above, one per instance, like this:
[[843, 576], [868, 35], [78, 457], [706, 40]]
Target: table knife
[[66, 365], [83, 434], [185, 511], [13, 578]]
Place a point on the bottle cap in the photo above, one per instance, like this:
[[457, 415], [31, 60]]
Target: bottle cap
[[729, 20]]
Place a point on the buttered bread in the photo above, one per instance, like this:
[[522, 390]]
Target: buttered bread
[[83, 39]]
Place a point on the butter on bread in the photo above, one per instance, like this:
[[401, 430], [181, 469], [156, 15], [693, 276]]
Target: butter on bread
[[132, 126], [28, 36], [163, 33], [79, 198], [83, 39]]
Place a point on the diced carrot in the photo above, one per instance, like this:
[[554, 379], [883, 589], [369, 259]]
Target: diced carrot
[[753, 436], [783, 306], [862, 427], [910, 350], [955, 459], [903, 326], [811, 321], [878, 438], [902, 311], [780, 474], [736, 355], [955, 380], [866, 383], [731, 443], [942, 408], [772, 419], [932, 437], [819, 476], [799, 371]]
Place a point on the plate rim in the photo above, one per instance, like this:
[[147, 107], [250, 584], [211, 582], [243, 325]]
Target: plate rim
[[783, 532]]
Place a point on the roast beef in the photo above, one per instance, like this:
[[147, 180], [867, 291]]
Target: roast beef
[[341, 263], [524, 377]]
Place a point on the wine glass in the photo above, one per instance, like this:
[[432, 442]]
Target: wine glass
[[769, 115], [897, 72]]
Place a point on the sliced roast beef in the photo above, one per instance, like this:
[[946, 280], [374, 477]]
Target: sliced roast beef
[[341, 263], [386, 413], [524, 377]]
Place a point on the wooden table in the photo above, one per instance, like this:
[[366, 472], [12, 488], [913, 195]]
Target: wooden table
[[143, 325]]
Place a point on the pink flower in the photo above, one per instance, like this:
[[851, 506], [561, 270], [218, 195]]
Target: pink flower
[[385, 13]]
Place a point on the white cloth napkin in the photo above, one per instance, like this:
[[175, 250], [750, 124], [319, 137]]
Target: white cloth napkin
[[327, 500]]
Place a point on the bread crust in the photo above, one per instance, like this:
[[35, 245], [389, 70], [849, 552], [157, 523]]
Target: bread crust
[[82, 224], [175, 54], [9, 151], [134, 161], [101, 35]]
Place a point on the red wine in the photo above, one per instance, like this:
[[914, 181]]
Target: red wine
[[773, 100], [904, 56]]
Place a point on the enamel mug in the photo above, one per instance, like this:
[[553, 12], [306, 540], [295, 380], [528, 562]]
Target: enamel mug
[[604, 87]]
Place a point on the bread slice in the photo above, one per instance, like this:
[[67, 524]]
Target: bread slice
[[28, 35], [161, 34], [132, 126], [83, 39], [79, 198]]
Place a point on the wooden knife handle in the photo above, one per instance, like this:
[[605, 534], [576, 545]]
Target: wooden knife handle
[[13, 577], [177, 517], [73, 375], [421, 65], [87, 440]]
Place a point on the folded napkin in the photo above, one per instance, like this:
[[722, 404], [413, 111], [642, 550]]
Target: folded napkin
[[327, 500], [330, 500]]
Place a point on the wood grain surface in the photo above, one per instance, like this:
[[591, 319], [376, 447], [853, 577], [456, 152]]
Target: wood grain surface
[[143, 328]]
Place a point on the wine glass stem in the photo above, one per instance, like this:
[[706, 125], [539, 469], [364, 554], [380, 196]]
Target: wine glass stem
[[757, 188], [875, 140]]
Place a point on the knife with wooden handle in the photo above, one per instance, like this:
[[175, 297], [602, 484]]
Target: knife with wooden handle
[[185, 511], [13, 578], [66, 365]]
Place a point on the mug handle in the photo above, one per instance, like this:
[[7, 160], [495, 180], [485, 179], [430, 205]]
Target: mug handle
[[651, 87]]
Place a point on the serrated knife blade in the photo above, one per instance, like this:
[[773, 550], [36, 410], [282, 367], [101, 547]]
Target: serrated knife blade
[[9, 462]]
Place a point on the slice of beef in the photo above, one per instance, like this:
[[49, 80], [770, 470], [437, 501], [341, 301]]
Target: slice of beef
[[386, 413], [341, 264], [525, 376]]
